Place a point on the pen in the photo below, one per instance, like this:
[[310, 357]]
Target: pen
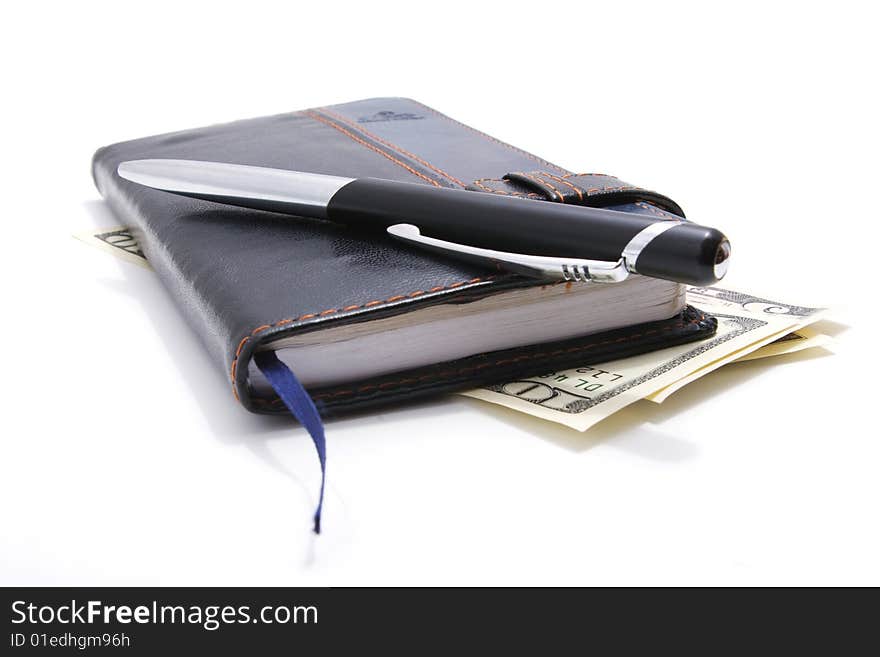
[[539, 239]]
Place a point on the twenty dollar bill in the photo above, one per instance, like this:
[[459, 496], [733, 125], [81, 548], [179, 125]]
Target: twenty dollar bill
[[581, 396], [749, 327]]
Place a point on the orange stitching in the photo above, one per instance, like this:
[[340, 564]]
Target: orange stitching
[[503, 361], [541, 181], [660, 212], [590, 192], [394, 146], [477, 183], [491, 138], [621, 188], [608, 189], [330, 311], [317, 117], [492, 190], [565, 182]]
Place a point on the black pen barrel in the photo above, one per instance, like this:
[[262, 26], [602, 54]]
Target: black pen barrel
[[687, 252]]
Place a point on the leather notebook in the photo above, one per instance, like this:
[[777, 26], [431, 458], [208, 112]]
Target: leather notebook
[[361, 319]]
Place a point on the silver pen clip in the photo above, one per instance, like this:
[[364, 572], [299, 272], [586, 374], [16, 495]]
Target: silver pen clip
[[548, 267]]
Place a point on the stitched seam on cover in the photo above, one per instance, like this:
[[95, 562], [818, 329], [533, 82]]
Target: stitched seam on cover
[[438, 288], [320, 118], [505, 361], [655, 210], [317, 117], [541, 181], [331, 311], [576, 189], [592, 191], [485, 188], [491, 138], [369, 134]]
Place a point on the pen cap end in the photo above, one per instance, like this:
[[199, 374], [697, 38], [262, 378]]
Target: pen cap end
[[687, 253], [722, 259]]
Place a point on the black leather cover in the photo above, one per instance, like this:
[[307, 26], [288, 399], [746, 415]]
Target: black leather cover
[[243, 277]]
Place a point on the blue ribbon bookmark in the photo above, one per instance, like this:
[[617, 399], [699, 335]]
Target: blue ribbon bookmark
[[303, 408]]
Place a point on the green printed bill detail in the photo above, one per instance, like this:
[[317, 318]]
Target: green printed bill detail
[[749, 327], [583, 395]]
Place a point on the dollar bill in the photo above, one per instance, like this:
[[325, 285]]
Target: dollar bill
[[797, 340], [582, 395], [118, 240], [804, 338], [749, 327], [767, 307]]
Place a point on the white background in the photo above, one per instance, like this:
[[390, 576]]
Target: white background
[[125, 460]]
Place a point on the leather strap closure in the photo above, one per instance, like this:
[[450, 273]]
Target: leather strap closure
[[589, 189]]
